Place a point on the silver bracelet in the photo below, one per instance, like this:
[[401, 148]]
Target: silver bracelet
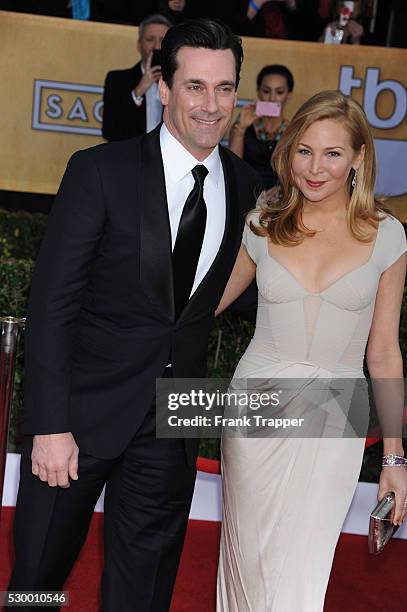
[[394, 461]]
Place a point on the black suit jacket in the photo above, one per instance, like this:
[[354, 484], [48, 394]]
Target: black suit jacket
[[122, 118], [100, 324]]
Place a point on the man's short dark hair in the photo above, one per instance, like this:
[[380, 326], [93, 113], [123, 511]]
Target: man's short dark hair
[[198, 33], [276, 69]]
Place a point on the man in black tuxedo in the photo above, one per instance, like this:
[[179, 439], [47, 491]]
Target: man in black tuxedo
[[140, 243], [131, 105]]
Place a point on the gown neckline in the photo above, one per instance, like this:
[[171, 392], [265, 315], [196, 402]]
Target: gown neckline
[[336, 281]]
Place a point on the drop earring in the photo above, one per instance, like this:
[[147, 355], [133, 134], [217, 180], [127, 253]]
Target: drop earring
[[355, 173]]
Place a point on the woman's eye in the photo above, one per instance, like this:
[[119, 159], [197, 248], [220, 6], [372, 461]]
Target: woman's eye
[[333, 154], [303, 151]]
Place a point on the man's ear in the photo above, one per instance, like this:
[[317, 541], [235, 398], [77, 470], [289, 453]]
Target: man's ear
[[163, 91]]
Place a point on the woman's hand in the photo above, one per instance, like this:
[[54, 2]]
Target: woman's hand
[[237, 133], [247, 116], [395, 479]]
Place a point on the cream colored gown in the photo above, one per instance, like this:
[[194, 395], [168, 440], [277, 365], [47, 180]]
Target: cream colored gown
[[285, 500]]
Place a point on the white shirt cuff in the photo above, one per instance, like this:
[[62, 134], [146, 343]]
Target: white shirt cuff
[[138, 100]]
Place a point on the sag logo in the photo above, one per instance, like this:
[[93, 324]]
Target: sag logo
[[67, 107]]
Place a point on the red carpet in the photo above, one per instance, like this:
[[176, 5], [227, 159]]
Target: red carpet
[[360, 583]]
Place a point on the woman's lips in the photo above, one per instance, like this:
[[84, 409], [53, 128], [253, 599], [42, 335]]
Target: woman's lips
[[315, 184]]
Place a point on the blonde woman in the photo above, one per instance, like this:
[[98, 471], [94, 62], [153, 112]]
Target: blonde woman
[[330, 267]]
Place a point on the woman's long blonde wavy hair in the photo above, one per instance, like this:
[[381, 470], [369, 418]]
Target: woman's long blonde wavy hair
[[281, 210]]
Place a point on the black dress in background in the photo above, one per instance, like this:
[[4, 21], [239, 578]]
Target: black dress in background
[[258, 154]]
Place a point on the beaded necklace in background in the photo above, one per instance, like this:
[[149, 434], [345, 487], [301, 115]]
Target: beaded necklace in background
[[263, 135]]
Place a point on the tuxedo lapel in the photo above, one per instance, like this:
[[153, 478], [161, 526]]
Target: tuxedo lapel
[[232, 208], [204, 291], [155, 232]]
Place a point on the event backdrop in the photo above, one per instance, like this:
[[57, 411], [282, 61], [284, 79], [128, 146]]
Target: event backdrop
[[52, 73]]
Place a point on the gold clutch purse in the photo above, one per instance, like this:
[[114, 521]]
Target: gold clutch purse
[[381, 527]]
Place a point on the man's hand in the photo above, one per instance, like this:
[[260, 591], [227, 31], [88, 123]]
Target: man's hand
[[54, 458], [151, 75], [354, 31]]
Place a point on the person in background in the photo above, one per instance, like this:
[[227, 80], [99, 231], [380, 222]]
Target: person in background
[[174, 10], [269, 19], [254, 138], [344, 27], [131, 105]]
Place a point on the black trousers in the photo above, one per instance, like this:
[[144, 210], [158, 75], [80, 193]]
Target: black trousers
[[147, 500]]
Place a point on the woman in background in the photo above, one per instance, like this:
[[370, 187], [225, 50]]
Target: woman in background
[[330, 266], [174, 10], [254, 138]]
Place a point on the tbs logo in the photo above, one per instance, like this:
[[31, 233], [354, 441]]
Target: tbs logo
[[373, 87]]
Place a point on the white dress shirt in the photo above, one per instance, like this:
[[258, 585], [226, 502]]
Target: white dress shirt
[[154, 108], [178, 163]]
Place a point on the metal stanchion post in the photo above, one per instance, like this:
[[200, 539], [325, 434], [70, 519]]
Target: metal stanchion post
[[10, 331]]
